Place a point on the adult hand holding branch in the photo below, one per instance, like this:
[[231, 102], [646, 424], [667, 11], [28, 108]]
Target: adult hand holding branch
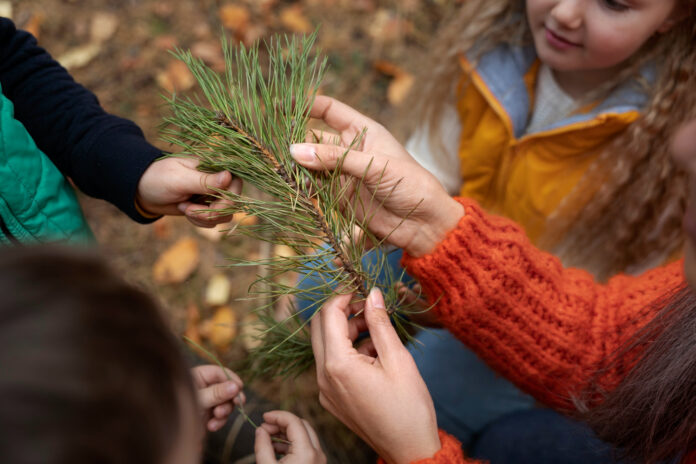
[[375, 390], [396, 190]]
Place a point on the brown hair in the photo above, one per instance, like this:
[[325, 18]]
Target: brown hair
[[651, 415], [89, 370], [627, 208]]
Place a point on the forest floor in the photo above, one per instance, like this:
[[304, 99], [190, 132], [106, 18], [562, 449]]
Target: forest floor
[[119, 49]]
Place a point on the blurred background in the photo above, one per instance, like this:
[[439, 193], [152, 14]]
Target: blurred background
[[119, 49]]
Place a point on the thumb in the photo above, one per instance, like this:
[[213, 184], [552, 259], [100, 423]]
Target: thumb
[[217, 394], [383, 335], [192, 181], [263, 448], [323, 157]]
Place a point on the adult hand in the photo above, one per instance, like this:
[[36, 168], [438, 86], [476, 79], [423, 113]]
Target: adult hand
[[376, 390], [396, 190], [218, 391], [304, 447], [167, 186]]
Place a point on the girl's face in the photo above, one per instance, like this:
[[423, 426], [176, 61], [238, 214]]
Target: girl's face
[[584, 35], [684, 153]]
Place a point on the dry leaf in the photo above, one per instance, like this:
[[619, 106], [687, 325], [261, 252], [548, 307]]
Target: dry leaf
[[193, 318], [79, 56], [33, 26], [399, 88], [217, 293], [223, 328], [244, 219], [177, 263], [386, 26], [251, 328], [294, 19], [166, 42], [234, 17], [162, 228], [6, 9], [176, 78], [387, 68], [283, 251], [103, 26], [211, 53]]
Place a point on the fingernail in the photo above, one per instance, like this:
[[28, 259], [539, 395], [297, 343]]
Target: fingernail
[[182, 207], [220, 177], [303, 153], [232, 389], [376, 299]]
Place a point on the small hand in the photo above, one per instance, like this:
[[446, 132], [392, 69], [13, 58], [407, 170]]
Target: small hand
[[216, 394], [375, 390], [419, 309], [167, 186], [304, 447], [397, 191]]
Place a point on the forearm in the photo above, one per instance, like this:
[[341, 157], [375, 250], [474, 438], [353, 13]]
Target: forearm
[[544, 327], [104, 155]]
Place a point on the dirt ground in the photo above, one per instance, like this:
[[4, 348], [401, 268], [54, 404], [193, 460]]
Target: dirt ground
[[119, 50]]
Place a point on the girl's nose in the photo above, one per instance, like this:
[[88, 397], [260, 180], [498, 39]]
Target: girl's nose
[[569, 14]]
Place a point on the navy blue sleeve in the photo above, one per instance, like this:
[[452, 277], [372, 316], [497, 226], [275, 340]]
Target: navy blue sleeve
[[103, 154]]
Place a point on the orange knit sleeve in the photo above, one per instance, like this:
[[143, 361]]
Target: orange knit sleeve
[[450, 453], [544, 327]]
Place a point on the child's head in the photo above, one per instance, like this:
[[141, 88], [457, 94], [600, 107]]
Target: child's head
[[90, 371], [579, 35], [629, 204]]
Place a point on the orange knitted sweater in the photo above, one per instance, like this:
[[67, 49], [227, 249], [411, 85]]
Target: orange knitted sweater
[[545, 328]]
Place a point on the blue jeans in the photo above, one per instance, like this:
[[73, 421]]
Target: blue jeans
[[468, 395]]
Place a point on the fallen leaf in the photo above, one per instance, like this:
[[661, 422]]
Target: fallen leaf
[[166, 42], [211, 53], [387, 68], [79, 56], [283, 251], [294, 19], [33, 25], [244, 219], [193, 318], [224, 327], [162, 228], [103, 26], [386, 26], [6, 9], [217, 293], [177, 263], [401, 82], [176, 78], [234, 17], [251, 330], [399, 88]]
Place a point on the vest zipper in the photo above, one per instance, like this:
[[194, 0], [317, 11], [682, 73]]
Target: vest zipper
[[7, 233]]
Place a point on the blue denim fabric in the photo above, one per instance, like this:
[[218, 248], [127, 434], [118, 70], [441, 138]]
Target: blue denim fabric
[[540, 436]]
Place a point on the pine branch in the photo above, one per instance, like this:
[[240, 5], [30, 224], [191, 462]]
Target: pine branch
[[245, 123]]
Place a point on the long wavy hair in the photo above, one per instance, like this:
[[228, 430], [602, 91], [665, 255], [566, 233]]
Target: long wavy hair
[[649, 415], [625, 213]]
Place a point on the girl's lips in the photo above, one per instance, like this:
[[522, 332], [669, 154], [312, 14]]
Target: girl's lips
[[558, 42]]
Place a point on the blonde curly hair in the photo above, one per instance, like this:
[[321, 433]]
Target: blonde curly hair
[[626, 211]]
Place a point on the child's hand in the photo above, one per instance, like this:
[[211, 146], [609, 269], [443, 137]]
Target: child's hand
[[166, 187], [216, 394], [304, 447]]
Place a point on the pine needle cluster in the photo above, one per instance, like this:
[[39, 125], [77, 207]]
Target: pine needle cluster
[[245, 122]]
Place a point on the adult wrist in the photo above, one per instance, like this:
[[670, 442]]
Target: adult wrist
[[435, 229]]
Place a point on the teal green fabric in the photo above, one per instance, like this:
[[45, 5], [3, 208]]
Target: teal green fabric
[[37, 203]]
